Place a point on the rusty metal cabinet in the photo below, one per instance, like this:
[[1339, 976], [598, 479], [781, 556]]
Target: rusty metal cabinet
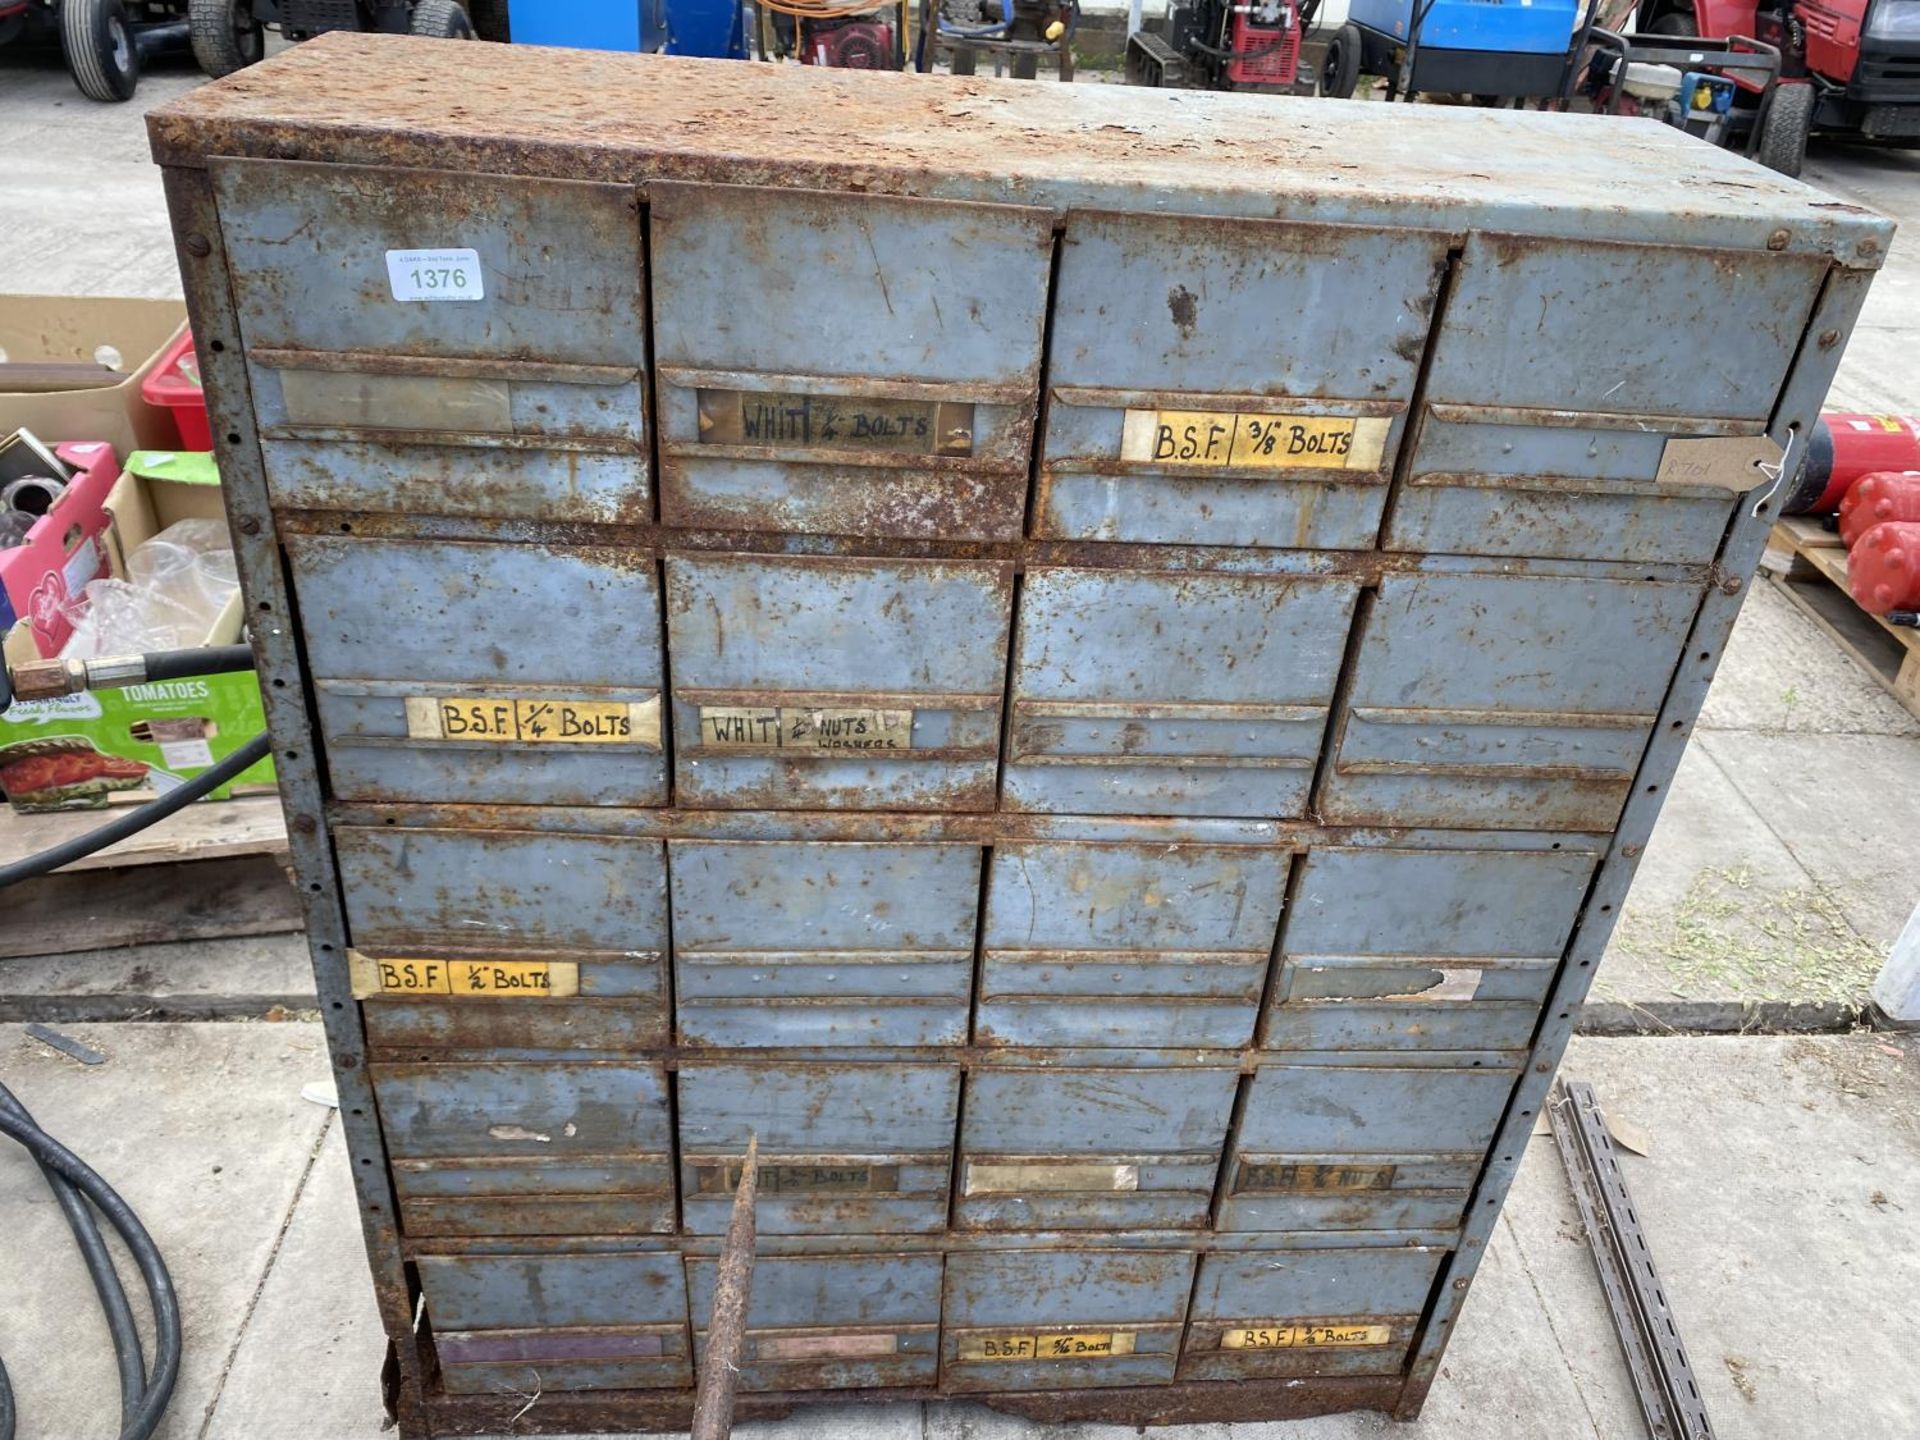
[[1088, 671]]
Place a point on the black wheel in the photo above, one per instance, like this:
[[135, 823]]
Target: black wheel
[[1784, 129], [226, 36], [441, 20], [1340, 70], [1675, 22], [490, 20], [99, 47]]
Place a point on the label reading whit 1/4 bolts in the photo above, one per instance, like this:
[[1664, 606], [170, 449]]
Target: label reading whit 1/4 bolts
[[835, 422], [1219, 440], [1048, 1345], [1305, 1337], [435, 275], [486, 720], [803, 727], [507, 979]]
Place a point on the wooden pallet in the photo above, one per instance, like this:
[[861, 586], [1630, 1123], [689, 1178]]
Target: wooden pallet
[[1807, 563], [213, 869]]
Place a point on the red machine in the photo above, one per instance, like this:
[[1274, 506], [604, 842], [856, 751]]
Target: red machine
[[1223, 45], [1845, 447], [1883, 495], [852, 42], [1850, 67], [1265, 45], [1883, 569]]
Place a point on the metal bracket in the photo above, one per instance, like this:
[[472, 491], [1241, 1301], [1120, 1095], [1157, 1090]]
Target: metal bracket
[[1649, 1338]]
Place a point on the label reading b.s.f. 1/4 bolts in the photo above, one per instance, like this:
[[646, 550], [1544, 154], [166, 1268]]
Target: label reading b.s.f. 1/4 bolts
[[1223, 440], [1304, 1337], [508, 979], [493, 720], [803, 727], [435, 275], [1048, 1345]]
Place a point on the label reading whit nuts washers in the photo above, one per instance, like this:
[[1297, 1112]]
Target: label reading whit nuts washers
[[435, 275]]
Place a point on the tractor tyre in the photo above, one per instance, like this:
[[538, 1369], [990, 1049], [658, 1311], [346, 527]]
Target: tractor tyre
[[441, 20], [1675, 22], [226, 36], [1784, 128], [1340, 70], [101, 52]]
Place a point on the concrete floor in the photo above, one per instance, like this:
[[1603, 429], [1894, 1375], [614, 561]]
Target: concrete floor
[[1778, 1189]]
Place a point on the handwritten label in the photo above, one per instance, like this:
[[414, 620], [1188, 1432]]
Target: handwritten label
[[1226, 439], [1269, 1175], [1048, 1345], [435, 275], [506, 979], [835, 422], [803, 1179], [824, 1347], [1305, 1337], [989, 1179], [768, 727], [1731, 462], [488, 720]]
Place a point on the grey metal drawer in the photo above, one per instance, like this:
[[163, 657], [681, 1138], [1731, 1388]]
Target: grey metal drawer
[[1306, 1312], [1211, 383], [832, 1322], [1363, 1141], [1127, 945], [1535, 448], [1503, 701], [836, 684], [1172, 694], [887, 386], [1132, 1142], [1062, 1319], [473, 672], [553, 1322], [846, 1147], [823, 943], [535, 1148], [439, 343], [1363, 966]]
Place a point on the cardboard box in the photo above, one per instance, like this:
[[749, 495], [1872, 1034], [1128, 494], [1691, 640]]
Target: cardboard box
[[84, 752], [130, 334], [66, 547]]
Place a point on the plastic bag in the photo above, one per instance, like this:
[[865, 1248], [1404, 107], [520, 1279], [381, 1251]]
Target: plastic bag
[[177, 584]]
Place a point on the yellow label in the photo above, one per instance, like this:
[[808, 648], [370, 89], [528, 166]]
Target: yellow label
[[804, 727], [1048, 1345], [488, 720], [1305, 1337], [989, 1179], [508, 979], [1223, 439]]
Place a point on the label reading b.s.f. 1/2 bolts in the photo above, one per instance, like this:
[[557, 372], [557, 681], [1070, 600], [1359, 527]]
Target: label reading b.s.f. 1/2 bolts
[[516, 979], [435, 275], [804, 727], [496, 720], [1229, 440]]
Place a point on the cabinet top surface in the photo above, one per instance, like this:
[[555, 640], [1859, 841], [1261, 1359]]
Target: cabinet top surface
[[639, 119]]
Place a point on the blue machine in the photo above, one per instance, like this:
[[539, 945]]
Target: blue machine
[[678, 27], [1502, 48]]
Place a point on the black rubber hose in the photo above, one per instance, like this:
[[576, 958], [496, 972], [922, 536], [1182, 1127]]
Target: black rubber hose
[[206, 660], [6, 1405], [145, 1418], [106, 1280], [138, 818]]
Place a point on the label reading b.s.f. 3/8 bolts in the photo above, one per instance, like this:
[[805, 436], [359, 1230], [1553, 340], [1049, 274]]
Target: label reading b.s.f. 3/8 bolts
[[1230, 440]]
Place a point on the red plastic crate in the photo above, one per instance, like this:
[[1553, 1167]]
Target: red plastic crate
[[175, 383]]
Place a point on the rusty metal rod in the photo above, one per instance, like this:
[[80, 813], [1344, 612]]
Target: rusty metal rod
[[727, 1326]]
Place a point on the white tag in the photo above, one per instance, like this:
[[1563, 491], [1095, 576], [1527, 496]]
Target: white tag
[[435, 275], [82, 566], [186, 754]]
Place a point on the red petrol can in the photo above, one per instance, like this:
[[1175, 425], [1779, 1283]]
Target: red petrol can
[[1883, 495], [1883, 567]]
